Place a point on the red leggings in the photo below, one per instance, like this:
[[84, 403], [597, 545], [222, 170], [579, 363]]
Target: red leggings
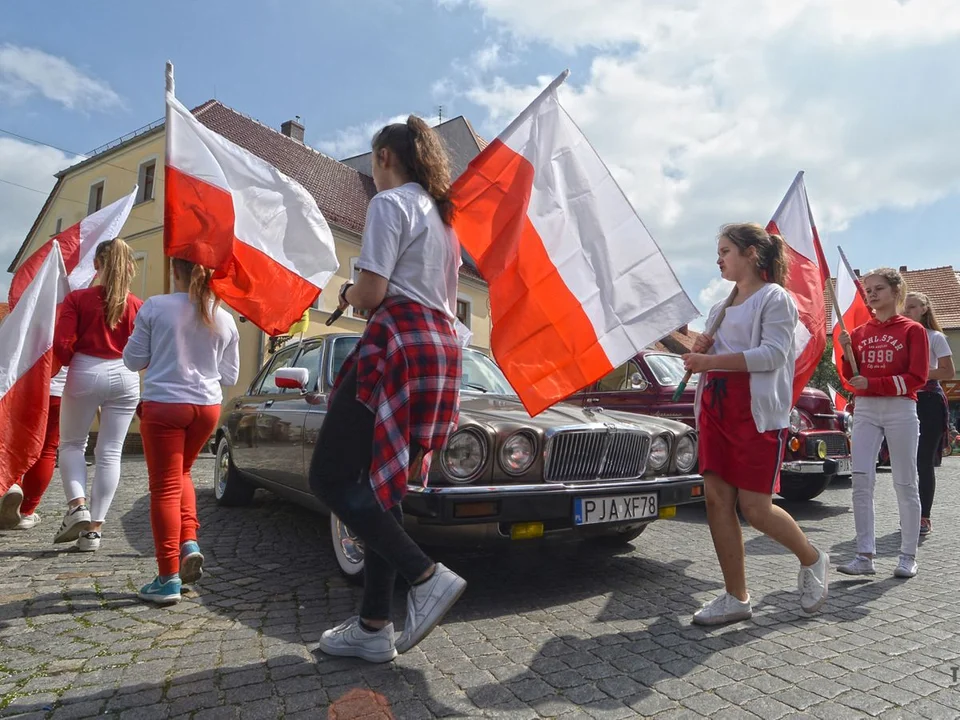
[[173, 436], [37, 478]]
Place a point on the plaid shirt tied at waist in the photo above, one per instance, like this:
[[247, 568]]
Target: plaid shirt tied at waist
[[408, 374]]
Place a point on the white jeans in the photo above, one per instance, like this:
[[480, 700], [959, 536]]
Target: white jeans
[[95, 384], [895, 418]]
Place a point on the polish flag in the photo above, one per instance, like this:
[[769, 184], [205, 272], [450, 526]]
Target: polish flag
[[78, 245], [806, 279], [261, 231], [26, 366], [577, 284], [839, 401], [852, 308]]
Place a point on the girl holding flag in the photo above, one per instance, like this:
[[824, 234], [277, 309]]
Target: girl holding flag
[[892, 352], [743, 405]]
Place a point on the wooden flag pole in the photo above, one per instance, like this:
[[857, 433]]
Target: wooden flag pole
[[848, 349], [711, 331]]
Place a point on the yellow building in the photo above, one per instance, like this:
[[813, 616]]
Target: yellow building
[[341, 191]]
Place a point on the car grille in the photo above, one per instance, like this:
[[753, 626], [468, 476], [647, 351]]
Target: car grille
[[582, 455], [836, 444]]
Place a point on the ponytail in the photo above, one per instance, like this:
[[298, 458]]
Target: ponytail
[[775, 263], [116, 270], [200, 292]]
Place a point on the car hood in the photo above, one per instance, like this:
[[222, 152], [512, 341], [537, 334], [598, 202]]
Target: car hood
[[495, 410]]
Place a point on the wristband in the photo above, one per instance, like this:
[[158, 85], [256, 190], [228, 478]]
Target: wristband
[[343, 292]]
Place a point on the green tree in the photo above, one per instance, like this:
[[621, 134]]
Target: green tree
[[826, 373]]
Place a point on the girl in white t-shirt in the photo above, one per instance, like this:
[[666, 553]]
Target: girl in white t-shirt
[[932, 407]]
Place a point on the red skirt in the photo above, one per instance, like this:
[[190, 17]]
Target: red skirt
[[730, 445]]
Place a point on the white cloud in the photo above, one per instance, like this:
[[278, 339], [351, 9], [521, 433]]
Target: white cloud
[[25, 72], [355, 140], [715, 291], [31, 166]]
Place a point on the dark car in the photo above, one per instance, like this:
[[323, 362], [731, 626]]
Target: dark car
[[567, 473], [818, 447]]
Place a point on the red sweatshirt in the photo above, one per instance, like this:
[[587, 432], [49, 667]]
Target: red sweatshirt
[[82, 326], [892, 355]]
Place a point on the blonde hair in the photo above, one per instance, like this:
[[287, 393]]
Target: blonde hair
[[895, 280], [116, 271], [200, 292], [929, 317], [772, 261]]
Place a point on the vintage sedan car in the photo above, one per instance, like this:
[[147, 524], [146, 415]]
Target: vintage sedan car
[[569, 473], [818, 448]]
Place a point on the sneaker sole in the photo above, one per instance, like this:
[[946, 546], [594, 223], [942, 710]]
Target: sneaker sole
[[160, 599], [10, 510], [368, 655], [898, 573], [191, 568], [447, 601], [72, 533], [723, 619], [87, 548], [857, 572]]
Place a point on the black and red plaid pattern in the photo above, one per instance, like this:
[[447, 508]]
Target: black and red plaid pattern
[[408, 374]]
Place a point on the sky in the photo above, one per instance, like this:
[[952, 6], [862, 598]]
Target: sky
[[704, 111]]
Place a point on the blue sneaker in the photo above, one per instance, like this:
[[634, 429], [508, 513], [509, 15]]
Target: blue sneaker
[[191, 563], [167, 593]]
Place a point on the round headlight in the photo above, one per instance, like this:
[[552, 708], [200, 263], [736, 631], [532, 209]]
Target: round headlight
[[517, 453], [464, 456], [686, 453], [848, 422], [821, 449], [794, 421], [659, 454]]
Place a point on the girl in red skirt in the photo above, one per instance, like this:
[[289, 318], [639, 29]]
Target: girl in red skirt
[[743, 408]]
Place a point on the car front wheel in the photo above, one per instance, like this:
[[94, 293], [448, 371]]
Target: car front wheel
[[229, 487], [802, 487], [348, 549]]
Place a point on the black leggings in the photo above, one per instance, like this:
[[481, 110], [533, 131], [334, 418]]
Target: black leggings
[[340, 477], [932, 428]]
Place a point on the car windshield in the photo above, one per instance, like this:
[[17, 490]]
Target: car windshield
[[668, 369]]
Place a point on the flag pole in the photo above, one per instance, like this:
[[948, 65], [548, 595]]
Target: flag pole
[[711, 331], [839, 314], [557, 82], [169, 77]]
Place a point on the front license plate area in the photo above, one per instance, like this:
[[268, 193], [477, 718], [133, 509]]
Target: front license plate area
[[844, 466], [614, 509]]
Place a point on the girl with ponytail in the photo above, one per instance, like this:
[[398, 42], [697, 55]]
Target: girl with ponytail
[[92, 331], [189, 347]]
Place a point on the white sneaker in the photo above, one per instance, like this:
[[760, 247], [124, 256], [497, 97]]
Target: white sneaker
[[427, 603], [75, 521], [906, 568], [88, 541], [10, 508], [860, 565], [351, 640], [28, 522], [723, 609], [812, 583]]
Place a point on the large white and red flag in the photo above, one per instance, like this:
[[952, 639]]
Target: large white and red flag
[[26, 366], [259, 230], [806, 280], [839, 401], [78, 246], [850, 304], [577, 284]]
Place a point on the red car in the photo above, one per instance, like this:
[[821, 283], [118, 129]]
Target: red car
[[818, 448]]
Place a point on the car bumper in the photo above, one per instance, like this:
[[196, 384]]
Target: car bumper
[[831, 466], [437, 511]]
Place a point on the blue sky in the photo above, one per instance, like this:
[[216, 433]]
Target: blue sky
[[703, 117]]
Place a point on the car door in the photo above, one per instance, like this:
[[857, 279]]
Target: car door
[[620, 389], [242, 424], [273, 430], [293, 459]]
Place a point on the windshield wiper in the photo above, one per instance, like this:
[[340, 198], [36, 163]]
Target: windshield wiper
[[471, 386]]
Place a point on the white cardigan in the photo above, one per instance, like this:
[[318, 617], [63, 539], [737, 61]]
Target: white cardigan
[[771, 359]]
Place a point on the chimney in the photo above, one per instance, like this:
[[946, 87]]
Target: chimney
[[903, 268], [293, 129], [683, 330]]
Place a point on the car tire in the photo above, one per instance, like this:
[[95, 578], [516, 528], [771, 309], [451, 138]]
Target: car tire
[[348, 549], [230, 488], [799, 487], [617, 537]]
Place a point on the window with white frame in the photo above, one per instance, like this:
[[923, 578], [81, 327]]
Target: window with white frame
[[464, 310], [354, 274], [96, 197], [146, 177]]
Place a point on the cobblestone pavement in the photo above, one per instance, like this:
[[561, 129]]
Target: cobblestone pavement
[[570, 631]]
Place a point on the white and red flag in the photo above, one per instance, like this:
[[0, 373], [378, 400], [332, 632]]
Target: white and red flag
[[839, 401], [806, 279], [577, 284], [78, 246], [259, 230], [851, 305], [26, 366]]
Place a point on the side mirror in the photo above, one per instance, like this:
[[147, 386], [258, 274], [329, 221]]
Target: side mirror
[[294, 378], [637, 382]]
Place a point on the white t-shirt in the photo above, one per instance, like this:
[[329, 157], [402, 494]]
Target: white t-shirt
[[186, 361], [735, 334], [939, 347], [57, 383], [405, 241]]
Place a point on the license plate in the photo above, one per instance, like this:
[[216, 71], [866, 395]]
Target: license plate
[[844, 466], [616, 508]]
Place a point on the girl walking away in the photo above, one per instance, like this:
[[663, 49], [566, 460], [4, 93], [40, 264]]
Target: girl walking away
[[893, 355], [397, 395], [19, 504], [933, 410], [92, 330], [743, 411], [189, 346]]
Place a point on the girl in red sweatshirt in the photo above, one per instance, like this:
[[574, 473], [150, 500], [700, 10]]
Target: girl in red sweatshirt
[[892, 355]]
